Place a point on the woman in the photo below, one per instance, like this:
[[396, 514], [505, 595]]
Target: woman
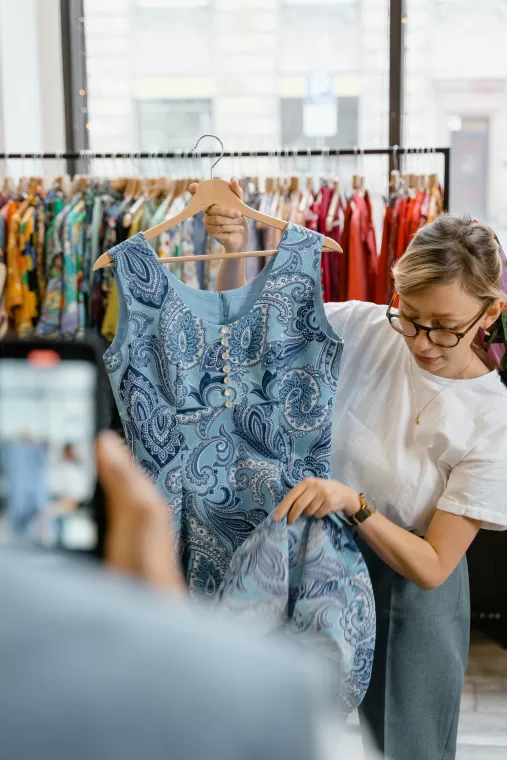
[[420, 461]]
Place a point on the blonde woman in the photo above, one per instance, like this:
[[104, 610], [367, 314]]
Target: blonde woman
[[420, 461]]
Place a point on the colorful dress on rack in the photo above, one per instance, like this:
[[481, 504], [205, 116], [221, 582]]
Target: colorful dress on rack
[[226, 400]]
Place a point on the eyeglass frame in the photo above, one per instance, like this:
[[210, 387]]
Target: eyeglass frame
[[422, 328]]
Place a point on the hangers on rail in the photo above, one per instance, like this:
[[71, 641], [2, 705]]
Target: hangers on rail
[[214, 192]]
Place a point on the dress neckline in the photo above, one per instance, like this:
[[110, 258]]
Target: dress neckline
[[177, 288]]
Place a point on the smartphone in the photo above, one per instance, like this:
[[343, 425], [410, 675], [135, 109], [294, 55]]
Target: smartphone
[[49, 419]]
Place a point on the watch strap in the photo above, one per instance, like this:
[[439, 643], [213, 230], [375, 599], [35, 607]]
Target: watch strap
[[364, 512]]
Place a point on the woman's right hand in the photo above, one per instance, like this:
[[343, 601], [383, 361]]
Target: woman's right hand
[[227, 225]]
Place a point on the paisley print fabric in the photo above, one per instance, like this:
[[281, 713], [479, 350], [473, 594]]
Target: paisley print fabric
[[226, 400], [309, 580]]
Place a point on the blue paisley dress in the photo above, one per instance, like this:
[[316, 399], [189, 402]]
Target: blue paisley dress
[[226, 400]]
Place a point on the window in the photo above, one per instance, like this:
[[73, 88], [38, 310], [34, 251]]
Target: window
[[160, 71], [171, 125], [345, 133], [456, 79], [156, 4]]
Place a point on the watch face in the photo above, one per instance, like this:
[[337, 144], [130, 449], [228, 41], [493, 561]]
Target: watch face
[[363, 514]]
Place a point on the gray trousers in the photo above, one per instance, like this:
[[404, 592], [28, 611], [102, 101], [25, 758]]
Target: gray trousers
[[411, 709]]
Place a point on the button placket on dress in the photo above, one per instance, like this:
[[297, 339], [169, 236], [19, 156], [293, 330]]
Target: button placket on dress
[[226, 368]]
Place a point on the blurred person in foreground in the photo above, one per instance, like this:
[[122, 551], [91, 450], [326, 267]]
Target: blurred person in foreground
[[97, 666]]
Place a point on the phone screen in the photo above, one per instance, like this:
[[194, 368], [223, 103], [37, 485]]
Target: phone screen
[[47, 450]]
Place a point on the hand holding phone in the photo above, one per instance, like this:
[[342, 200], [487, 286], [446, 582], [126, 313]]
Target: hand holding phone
[[139, 536]]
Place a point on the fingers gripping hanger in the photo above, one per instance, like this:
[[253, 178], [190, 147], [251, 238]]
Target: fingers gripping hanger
[[212, 192]]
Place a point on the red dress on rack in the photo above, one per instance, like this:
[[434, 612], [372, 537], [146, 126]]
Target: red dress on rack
[[397, 215], [335, 259], [362, 259], [317, 222], [370, 247], [327, 256]]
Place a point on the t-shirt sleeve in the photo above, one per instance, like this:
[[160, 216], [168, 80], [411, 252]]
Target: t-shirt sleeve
[[351, 318], [477, 488]]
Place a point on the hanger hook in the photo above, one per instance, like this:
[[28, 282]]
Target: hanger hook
[[221, 146], [395, 157]]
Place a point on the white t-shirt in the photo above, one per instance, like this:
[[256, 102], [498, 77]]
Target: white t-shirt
[[454, 460]]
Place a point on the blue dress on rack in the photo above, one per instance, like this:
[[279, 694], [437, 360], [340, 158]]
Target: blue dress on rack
[[226, 400]]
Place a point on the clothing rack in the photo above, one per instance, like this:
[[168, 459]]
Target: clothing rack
[[394, 152]]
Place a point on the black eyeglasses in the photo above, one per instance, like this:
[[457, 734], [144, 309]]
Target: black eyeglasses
[[437, 336]]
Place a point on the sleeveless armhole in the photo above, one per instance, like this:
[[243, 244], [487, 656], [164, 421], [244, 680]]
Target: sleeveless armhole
[[123, 318]]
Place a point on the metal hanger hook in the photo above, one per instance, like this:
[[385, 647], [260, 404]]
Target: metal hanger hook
[[221, 146]]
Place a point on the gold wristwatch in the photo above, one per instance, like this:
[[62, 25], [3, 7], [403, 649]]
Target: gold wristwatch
[[364, 513]]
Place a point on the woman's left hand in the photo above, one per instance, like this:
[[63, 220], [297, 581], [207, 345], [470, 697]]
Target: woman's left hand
[[316, 497]]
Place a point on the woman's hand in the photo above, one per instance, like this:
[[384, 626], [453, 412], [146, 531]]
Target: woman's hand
[[227, 225], [316, 497]]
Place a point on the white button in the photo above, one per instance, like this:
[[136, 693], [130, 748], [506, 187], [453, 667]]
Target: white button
[[224, 330], [226, 368], [228, 392], [227, 380], [226, 355], [228, 404], [225, 341]]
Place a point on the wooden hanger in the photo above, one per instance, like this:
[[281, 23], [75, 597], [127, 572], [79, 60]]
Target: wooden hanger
[[9, 186], [209, 193], [294, 185], [214, 192]]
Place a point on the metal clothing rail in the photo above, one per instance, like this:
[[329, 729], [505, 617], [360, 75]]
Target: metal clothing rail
[[285, 153]]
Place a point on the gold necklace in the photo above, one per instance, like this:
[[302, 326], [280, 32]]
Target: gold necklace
[[418, 413]]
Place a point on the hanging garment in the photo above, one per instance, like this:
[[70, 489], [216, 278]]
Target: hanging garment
[[226, 400], [228, 410], [357, 272], [334, 260], [51, 309], [392, 246], [328, 258], [4, 320], [369, 244], [28, 246], [14, 287], [72, 320]]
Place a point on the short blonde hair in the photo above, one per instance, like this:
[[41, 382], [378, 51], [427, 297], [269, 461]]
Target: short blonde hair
[[452, 249]]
